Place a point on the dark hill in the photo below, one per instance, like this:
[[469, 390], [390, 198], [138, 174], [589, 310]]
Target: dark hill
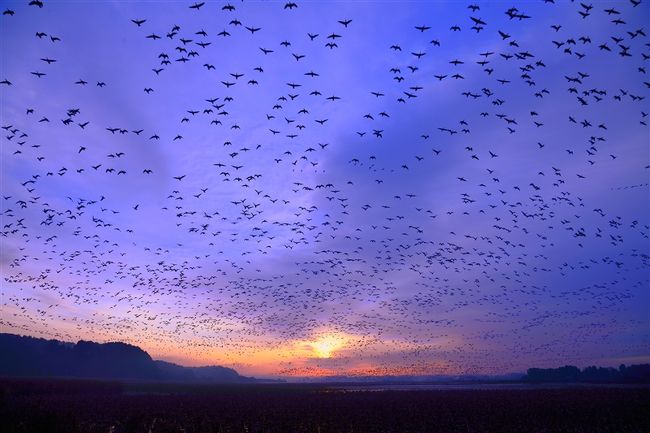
[[209, 374], [36, 357]]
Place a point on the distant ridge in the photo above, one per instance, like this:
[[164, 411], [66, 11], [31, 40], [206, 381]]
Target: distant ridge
[[23, 356]]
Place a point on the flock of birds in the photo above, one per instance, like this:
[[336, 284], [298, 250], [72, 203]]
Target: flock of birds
[[470, 196]]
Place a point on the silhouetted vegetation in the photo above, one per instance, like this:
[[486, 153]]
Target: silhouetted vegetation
[[571, 374], [67, 407], [36, 357]]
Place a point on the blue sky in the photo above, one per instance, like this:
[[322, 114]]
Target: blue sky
[[466, 217]]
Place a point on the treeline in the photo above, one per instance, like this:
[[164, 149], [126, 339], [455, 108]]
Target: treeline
[[22, 356], [570, 374]]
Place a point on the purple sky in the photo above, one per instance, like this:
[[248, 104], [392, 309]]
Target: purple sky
[[485, 210]]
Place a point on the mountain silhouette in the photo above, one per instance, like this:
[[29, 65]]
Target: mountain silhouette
[[24, 356]]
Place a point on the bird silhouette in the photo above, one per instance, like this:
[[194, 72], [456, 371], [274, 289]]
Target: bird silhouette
[[464, 195]]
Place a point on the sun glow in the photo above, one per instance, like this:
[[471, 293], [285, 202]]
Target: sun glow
[[324, 346]]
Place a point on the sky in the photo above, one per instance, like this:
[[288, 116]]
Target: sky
[[329, 188]]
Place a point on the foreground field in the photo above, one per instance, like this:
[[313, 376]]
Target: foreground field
[[73, 406]]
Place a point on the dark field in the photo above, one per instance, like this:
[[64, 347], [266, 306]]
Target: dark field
[[79, 406]]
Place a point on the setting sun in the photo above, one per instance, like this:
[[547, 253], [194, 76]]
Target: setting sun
[[324, 346]]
